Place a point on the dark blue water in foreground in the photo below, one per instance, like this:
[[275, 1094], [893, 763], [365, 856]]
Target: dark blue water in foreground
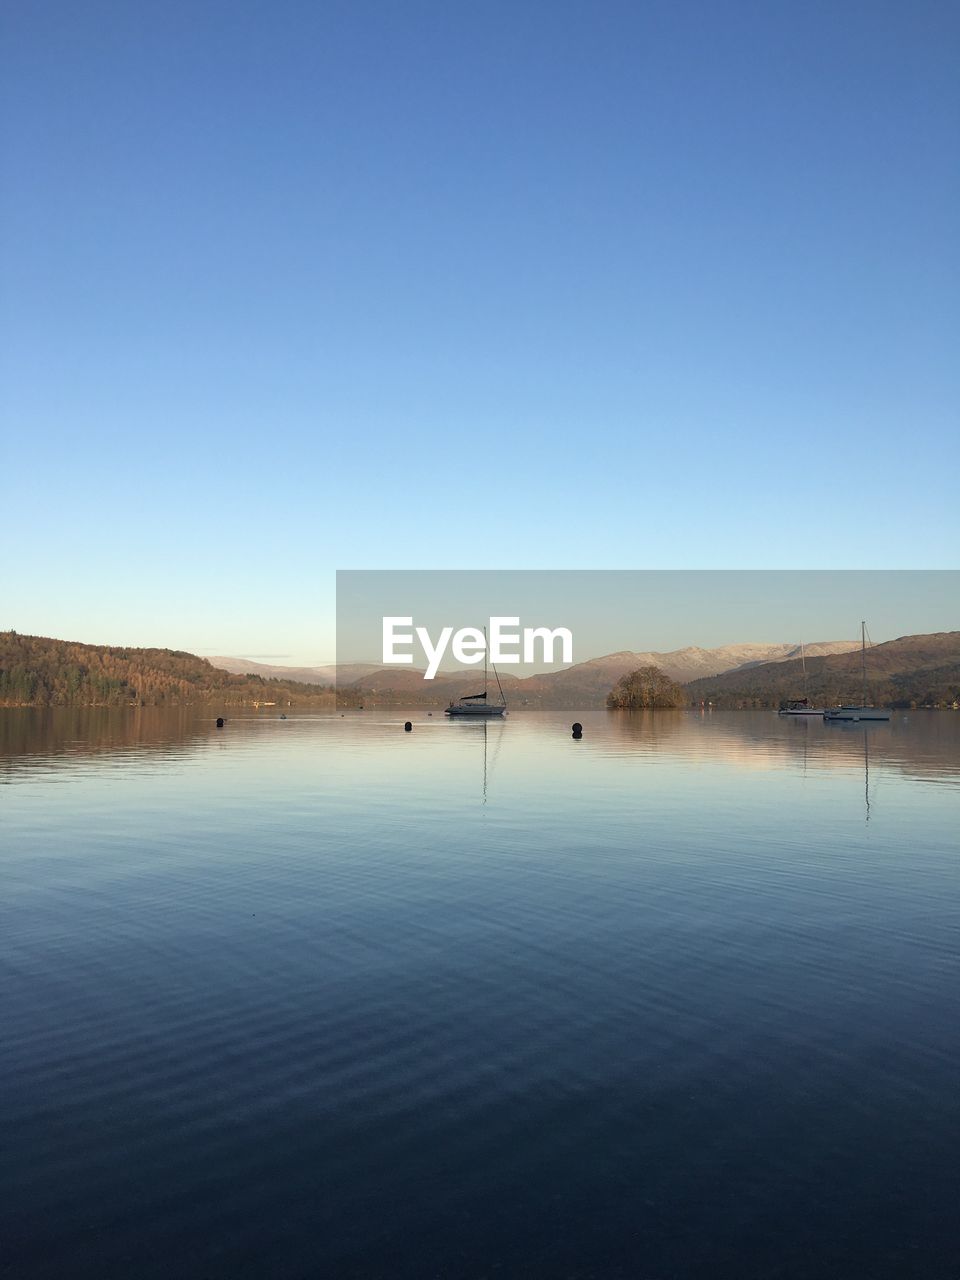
[[316, 997]]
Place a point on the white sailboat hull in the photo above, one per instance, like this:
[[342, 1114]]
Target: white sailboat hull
[[474, 712], [862, 711], [474, 706], [856, 713]]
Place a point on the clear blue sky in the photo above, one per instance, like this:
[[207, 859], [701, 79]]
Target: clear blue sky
[[285, 287]]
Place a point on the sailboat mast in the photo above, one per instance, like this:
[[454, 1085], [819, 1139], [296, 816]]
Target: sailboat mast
[[803, 667]]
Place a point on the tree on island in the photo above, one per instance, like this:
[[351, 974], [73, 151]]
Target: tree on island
[[646, 687]]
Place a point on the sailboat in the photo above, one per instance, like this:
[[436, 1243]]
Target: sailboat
[[475, 704], [861, 712], [801, 706]]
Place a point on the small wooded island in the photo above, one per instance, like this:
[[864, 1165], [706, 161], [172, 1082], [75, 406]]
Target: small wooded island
[[647, 687]]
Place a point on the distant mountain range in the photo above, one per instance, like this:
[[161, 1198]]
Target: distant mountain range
[[303, 675], [592, 681], [921, 670], [678, 664], [584, 682]]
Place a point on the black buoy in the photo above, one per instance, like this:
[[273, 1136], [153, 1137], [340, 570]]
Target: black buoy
[[219, 722], [283, 717], [407, 726], [577, 728]]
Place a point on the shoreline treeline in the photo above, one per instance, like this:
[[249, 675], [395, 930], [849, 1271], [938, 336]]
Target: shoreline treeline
[[36, 671]]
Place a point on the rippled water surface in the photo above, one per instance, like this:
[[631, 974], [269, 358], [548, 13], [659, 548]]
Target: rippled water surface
[[317, 997]]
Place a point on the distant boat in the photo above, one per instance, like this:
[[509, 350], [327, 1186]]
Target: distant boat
[[861, 711], [475, 705], [856, 713], [801, 706]]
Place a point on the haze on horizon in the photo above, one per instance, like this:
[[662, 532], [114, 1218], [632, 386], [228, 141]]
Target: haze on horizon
[[660, 611]]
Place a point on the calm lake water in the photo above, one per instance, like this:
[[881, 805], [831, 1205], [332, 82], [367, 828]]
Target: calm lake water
[[316, 997]]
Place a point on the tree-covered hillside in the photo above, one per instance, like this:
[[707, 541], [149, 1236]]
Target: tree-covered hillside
[[921, 671], [40, 672]]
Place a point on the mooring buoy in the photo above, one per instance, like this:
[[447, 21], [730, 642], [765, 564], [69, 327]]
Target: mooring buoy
[[219, 722], [407, 726]]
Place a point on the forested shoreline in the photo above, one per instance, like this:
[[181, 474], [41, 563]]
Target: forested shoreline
[[36, 671]]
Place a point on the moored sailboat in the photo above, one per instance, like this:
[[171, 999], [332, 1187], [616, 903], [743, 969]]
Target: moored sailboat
[[860, 711], [475, 705], [801, 706]]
